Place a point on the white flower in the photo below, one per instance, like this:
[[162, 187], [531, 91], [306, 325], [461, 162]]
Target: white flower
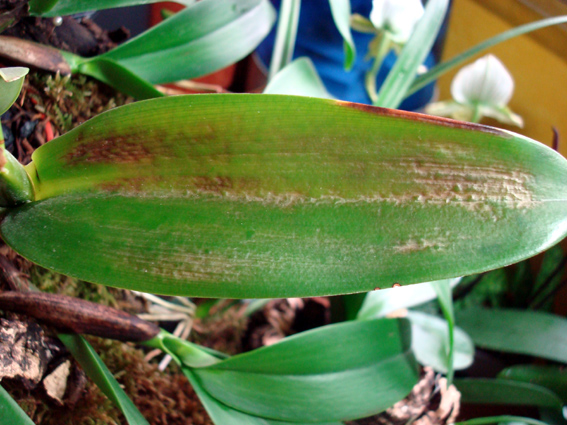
[[481, 89], [397, 17], [486, 81]]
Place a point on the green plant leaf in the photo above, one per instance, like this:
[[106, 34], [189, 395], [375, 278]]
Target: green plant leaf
[[11, 82], [10, 412], [553, 378], [504, 391], [222, 414], [341, 12], [548, 279], [298, 78], [445, 298], [379, 303], [395, 87], [517, 331], [440, 69], [99, 373], [268, 196], [430, 342], [209, 35], [501, 419], [318, 376], [119, 77], [51, 8], [286, 34]]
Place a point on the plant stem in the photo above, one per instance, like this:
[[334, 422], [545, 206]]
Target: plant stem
[[476, 114], [370, 78]]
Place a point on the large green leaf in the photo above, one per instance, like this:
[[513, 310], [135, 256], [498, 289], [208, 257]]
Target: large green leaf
[[221, 414], [10, 412], [99, 373], [258, 196], [517, 331], [551, 377], [69, 7], [318, 376]]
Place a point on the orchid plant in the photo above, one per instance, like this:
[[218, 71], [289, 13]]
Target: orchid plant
[[481, 89]]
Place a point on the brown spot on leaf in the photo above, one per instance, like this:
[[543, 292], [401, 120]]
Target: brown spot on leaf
[[414, 116], [219, 184], [118, 150]]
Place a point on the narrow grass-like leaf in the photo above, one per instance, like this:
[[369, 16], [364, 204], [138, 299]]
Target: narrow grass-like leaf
[[286, 34], [298, 78], [341, 12], [99, 373], [11, 82], [552, 377], [430, 342], [438, 70], [504, 391], [265, 196], [10, 412], [49, 8], [318, 376], [501, 419], [548, 279], [196, 41], [379, 303], [445, 298], [395, 87], [517, 331]]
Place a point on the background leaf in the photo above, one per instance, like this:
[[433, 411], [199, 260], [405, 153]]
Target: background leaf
[[503, 391], [430, 342], [298, 78], [52, 8], [286, 34], [381, 302], [260, 196], [517, 331], [341, 12], [10, 412], [209, 35], [11, 82], [395, 87], [441, 68], [318, 376], [553, 378], [99, 373], [445, 298]]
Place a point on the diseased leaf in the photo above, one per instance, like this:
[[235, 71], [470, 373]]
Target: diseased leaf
[[517, 331], [261, 196]]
